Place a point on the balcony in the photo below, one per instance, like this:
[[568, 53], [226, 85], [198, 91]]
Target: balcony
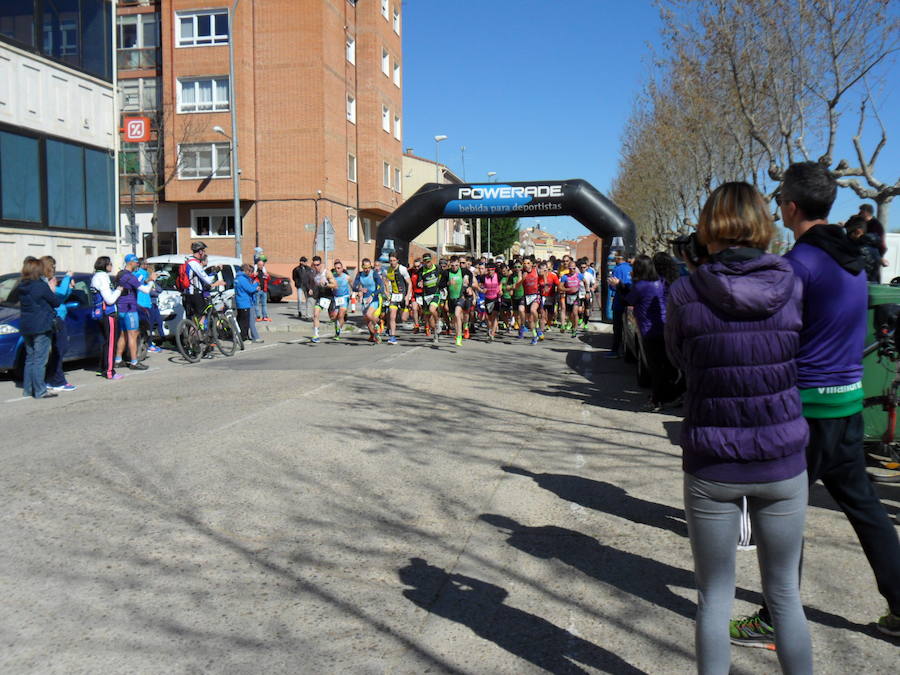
[[137, 58]]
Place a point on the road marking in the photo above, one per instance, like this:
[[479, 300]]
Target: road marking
[[16, 400]]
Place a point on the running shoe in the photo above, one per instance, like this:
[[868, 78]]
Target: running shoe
[[315, 339], [66, 387], [534, 340], [434, 338], [153, 349], [415, 329], [265, 318], [889, 624], [258, 319], [337, 331], [459, 339], [521, 332], [136, 365], [392, 340], [752, 631], [427, 330], [115, 376], [540, 335], [466, 333]]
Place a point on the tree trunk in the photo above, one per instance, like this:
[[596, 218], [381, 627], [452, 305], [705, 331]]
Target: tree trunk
[[881, 212]]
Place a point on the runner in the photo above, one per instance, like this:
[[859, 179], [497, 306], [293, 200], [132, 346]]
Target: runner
[[430, 283], [549, 283], [506, 290], [469, 301], [531, 288], [571, 286], [518, 299], [489, 282], [341, 300], [590, 287], [456, 281], [324, 292], [399, 289], [368, 288], [415, 307]]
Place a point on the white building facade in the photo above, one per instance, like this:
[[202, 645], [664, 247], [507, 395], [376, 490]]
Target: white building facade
[[58, 134]]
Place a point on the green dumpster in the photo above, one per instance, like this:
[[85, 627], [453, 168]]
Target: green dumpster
[[877, 375]]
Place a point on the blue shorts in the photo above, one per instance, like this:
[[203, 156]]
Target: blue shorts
[[129, 320]]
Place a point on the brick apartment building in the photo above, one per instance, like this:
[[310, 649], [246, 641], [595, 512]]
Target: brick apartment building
[[318, 90]]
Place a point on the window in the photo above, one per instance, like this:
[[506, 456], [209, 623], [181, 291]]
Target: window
[[397, 20], [384, 8], [387, 175], [204, 160], [351, 49], [207, 94], [351, 109], [397, 134], [397, 180], [386, 118], [100, 189], [352, 227], [138, 41], [198, 29], [385, 62], [139, 94], [138, 159], [351, 168], [396, 73], [212, 223], [17, 22], [20, 178], [367, 230]]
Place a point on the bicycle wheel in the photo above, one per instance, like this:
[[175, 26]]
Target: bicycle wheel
[[236, 329], [222, 334], [189, 341]]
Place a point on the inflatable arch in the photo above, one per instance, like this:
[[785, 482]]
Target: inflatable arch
[[575, 197]]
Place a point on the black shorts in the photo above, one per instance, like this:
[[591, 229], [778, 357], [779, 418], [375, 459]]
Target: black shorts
[[506, 304], [194, 304], [549, 303], [463, 302], [491, 306], [519, 303], [585, 303]]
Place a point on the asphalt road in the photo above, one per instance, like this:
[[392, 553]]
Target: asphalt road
[[344, 507]]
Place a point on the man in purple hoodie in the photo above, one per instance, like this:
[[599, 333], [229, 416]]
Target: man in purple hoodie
[[829, 378]]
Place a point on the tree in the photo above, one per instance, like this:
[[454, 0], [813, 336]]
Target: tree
[[503, 232]]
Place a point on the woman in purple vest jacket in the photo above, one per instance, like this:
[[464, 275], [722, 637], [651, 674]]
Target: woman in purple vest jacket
[[733, 328]]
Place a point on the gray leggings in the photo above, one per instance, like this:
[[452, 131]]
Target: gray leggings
[[777, 511]]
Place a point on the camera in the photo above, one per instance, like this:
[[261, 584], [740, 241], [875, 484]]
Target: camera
[[688, 248]]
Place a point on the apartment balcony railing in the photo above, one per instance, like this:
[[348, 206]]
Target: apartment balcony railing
[[138, 58]]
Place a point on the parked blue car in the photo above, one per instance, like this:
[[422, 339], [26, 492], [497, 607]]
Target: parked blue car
[[84, 332]]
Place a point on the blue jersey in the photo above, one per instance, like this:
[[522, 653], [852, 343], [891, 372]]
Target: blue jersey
[[368, 282], [343, 285]]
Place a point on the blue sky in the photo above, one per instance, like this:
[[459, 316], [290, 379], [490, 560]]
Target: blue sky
[[542, 89]]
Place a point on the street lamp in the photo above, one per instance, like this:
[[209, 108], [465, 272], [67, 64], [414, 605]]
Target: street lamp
[[490, 175], [236, 190], [437, 179]]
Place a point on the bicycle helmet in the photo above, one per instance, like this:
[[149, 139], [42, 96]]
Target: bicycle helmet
[[197, 246]]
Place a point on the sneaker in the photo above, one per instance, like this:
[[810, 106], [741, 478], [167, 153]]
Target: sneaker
[[116, 376], [267, 319], [459, 339], [534, 340], [465, 333], [66, 387], [415, 329], [48, 394], [258, 319], [889, 624], [521, 333], [434, 338], [316, 338], [258, 340], [427, 331], [138, 366], [392, 340], [752, 631], [153, 349], [540, 335]]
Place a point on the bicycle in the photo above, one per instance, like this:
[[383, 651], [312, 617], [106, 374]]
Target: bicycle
[[197, 336], [884, 452]]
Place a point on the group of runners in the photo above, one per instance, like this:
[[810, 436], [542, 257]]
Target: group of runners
[[456, 295]]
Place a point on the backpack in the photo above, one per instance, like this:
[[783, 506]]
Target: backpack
[[183, 279]]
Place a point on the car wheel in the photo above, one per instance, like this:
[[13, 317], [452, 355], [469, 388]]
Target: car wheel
[[273, 298]]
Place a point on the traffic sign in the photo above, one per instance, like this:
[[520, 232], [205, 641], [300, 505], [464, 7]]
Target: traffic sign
[[325, 236]]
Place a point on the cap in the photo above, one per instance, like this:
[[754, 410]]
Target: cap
[[198, 246], [427, 256], [130, 258]]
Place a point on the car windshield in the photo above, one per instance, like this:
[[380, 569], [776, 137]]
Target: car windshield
[[8, 282]]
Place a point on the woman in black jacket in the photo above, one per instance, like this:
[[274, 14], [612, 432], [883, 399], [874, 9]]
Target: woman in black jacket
[[38, 302]]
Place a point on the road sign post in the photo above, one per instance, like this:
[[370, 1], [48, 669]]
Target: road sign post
[[325, 239]]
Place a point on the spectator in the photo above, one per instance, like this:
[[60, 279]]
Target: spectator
[[622, 274], [261, 276], [667, 268], [302, 275], [245, 289], [146, 305], [868, 247], [647, 294], [103, 310], [874, 226], [829, 377], [38, 301], [734, 329], [127, 307], [55, 377]]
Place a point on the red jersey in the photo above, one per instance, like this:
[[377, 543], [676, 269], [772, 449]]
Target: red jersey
[[549, 284], [414, 281], [530, 283]]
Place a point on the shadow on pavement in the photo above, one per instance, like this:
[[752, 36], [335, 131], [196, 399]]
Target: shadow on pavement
[[480, 606], [608, 498]]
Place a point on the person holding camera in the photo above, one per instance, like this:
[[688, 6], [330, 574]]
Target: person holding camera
[[734, 330]]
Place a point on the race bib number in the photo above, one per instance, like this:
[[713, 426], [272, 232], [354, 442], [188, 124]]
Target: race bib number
[[531, 298], [419, 300], [582, 294], [443, 294], [432, 299], [570, 299], [324, 303], [396, 297], [340, 301]]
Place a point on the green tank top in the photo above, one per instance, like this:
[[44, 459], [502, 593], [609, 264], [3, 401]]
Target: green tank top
[[519, 291], [455, 285], [506, 287]]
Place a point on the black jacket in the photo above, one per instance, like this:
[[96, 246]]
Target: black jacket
[[37, 302]]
